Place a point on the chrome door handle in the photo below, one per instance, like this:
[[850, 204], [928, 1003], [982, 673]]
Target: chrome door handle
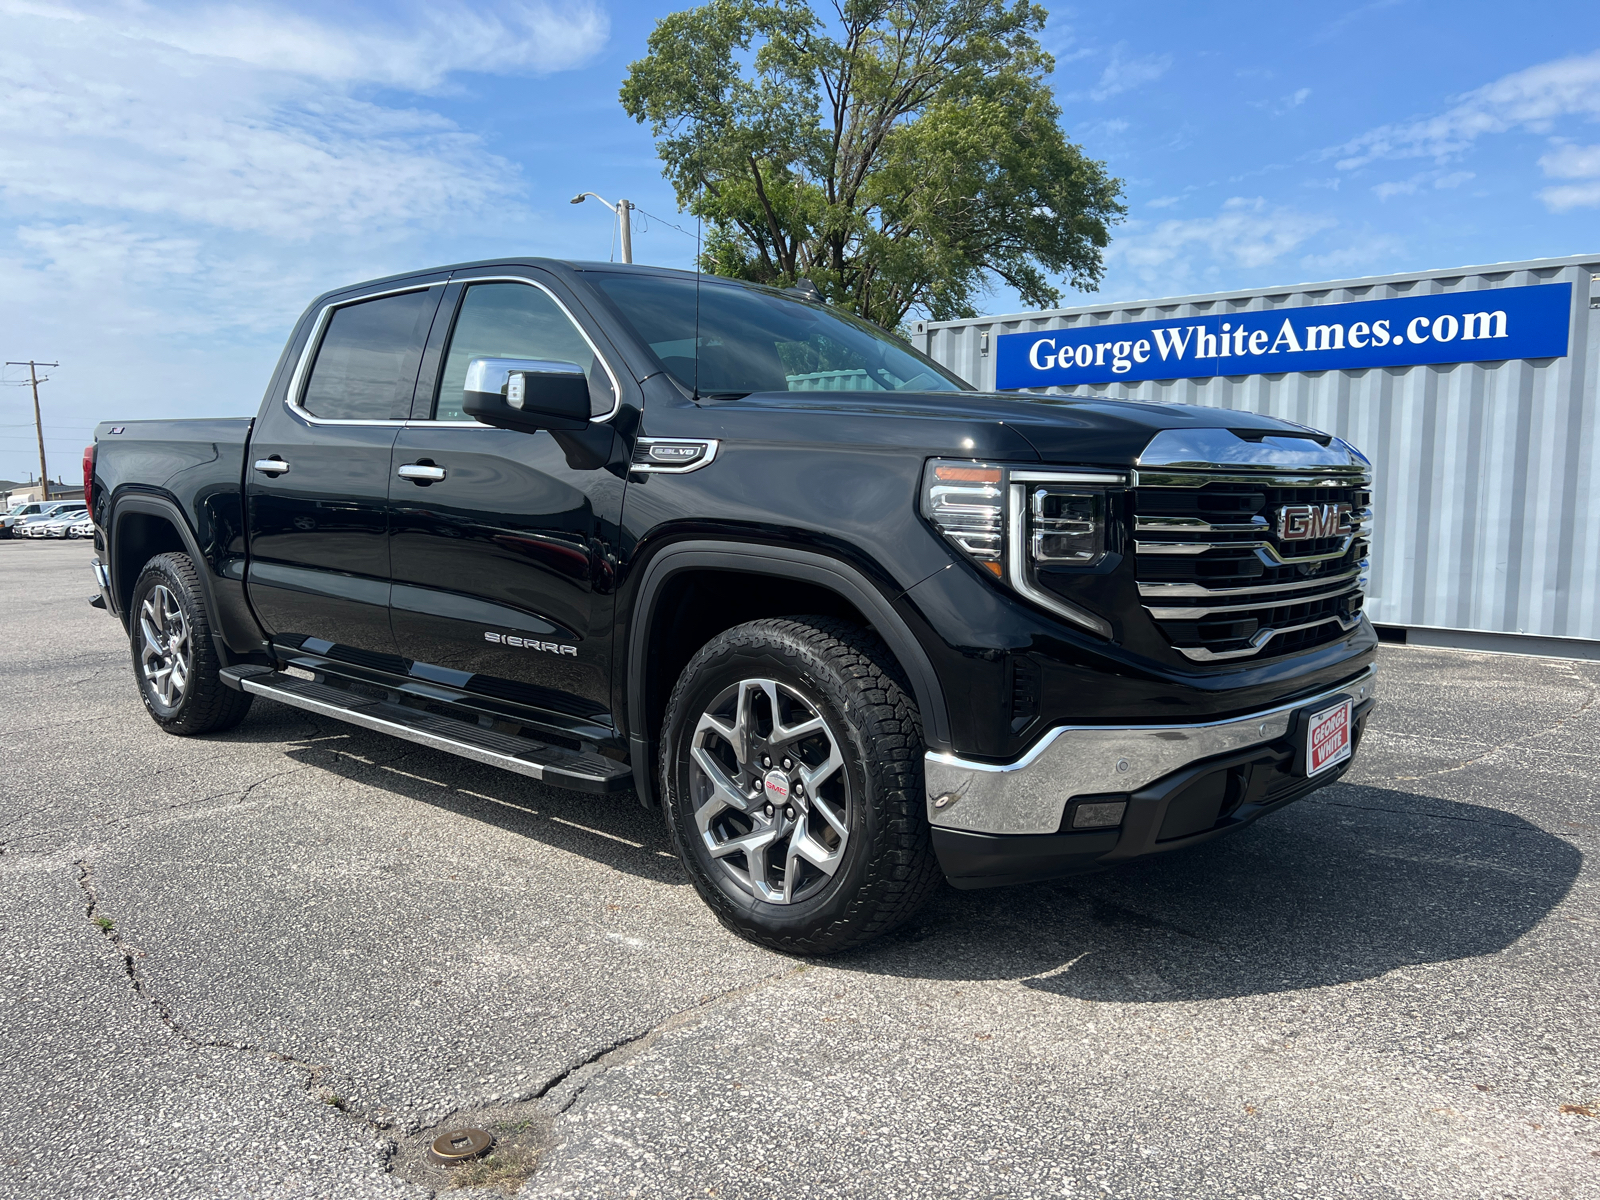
[[421, 473], [271, 466]]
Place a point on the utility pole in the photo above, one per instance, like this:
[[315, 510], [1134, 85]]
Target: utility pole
[[38, 421], [621, 208]]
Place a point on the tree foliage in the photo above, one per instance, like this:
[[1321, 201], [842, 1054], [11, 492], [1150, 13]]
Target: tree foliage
[[895, 153]]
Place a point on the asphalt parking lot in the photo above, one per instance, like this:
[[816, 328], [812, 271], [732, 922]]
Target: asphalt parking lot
[[277, 961]]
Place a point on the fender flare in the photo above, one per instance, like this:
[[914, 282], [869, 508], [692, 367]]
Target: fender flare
[[158, 506], [830, 573]]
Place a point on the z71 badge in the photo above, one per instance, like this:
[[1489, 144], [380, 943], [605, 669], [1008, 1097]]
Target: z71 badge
[[511, 639]]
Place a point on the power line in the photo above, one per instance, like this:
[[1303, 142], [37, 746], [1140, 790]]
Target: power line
[[664, 221]]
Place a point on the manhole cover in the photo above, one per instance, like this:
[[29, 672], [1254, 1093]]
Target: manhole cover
[[459, 1145]]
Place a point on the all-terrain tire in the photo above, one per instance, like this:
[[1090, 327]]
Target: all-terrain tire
[[205, 704], [847, 676]]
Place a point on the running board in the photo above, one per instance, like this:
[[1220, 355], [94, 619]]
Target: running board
[[555, 765]]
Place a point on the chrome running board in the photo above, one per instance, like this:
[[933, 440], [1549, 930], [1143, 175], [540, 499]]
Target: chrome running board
[[556, 765]]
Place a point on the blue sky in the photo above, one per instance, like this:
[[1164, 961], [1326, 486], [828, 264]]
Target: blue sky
[[177, 181]]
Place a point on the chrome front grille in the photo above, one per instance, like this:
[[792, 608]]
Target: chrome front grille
[[1220, 571]]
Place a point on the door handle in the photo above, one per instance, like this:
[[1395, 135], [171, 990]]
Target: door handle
[[423, 473], [271, 466]]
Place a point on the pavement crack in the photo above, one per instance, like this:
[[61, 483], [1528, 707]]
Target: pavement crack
[[130, 955], [1411, 812], [583, 1073], [1109, 913], [1594, 695]]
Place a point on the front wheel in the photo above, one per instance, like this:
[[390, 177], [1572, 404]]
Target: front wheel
[[174, 661], [792, 782]]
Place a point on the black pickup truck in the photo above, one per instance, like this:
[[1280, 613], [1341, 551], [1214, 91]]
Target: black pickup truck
[[850, 623]]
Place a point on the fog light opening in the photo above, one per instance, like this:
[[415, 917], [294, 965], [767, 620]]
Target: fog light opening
[[1099, 815]]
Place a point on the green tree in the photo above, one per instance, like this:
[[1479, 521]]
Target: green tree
[[895, 153]]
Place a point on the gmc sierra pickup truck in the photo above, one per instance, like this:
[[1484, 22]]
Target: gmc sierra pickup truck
[[849, 623]]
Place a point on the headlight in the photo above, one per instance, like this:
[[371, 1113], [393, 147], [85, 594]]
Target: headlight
[[1013, 520]]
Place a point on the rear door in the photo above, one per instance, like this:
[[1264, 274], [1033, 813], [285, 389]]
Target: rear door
[[318, 477], [503, 550]]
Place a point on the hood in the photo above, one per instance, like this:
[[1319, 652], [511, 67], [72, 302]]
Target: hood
[[1060, 429]]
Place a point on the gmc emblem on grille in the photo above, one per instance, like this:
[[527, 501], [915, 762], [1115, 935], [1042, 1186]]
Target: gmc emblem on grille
[[1303, 522]]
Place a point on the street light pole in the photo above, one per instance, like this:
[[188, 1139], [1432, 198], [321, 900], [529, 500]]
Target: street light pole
[[622, 209], [38, 421]]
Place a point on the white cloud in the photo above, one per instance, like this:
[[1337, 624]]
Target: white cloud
[[1572, 162], [1367, 253], [195, 120], [417, 54], [176, 184], [1570, 196], [1530, 99], [1399, 187], [1300, 97], [1125, 74], [1410, 187], [1247, 233]]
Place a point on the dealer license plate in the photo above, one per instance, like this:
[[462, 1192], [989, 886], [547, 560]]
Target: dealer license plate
[[1328, 738]]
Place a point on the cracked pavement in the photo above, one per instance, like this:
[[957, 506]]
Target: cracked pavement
[[272, 962]]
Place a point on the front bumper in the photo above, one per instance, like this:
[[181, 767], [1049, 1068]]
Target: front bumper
[[1001, 823]]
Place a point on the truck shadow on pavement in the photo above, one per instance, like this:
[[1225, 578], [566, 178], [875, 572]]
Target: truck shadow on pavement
[[1344, 887], [615, 830]]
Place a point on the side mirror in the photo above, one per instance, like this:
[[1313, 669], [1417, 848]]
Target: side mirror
[[527, 394]]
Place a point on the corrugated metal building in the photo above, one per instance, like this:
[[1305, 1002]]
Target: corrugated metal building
[[1487, 473]]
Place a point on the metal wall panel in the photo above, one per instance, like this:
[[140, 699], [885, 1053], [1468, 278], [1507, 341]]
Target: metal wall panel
[[1487, 490]]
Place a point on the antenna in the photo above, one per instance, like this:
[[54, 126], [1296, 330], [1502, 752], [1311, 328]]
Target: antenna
[[697, 307]]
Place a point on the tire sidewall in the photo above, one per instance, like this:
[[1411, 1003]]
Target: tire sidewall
[[710, 675], [156, 573]]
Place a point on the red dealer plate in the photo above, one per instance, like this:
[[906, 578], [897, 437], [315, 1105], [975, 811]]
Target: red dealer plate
[[1328, 738]]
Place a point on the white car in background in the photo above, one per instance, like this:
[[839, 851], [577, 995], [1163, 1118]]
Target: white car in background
[[38, 526], [57, 526], [83, 528], [11, 522]]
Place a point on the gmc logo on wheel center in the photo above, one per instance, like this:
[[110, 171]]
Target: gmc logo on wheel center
[[1304, 522]]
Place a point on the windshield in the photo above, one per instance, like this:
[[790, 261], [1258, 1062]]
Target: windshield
[[755, 340]]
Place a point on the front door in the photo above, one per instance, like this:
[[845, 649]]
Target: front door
[[503, 550], [318, 479]]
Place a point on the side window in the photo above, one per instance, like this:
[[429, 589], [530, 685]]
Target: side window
[[366, 366], [515, 320]]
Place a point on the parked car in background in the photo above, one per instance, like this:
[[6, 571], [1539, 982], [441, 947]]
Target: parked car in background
[[19, 513], [83, 527], [33, 526], [57, 526]]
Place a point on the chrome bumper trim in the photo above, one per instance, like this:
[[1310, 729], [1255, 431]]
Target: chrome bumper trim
[[102, 579], [1029, 795]]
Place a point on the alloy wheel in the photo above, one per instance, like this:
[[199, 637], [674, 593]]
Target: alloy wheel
[[770, 793], [165, 650]]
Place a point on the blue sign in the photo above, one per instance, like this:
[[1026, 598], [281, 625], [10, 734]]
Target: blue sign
[[1481, 326]]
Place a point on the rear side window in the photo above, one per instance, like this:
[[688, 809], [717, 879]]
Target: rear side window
[[366, 366], [515, 320]]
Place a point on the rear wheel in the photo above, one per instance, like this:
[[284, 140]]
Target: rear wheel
[[792, 764], [174, 661]]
